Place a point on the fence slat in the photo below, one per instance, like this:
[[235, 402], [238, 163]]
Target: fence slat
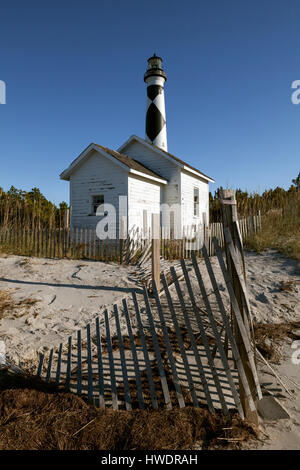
[[48, 375], [58, 368], [239, 270], [123, 360], [135, 357], [90, 365], [69, 362], [111, 364], [40, 366], [100, 365], [79, 371], [50, 243]]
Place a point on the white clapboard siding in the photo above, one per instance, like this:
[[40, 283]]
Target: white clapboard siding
[[188, 183], [95, 176], [142, 195], [160, 165]]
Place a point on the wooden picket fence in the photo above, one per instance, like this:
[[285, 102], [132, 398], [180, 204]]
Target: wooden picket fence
[[71, 243], [184, 345], [163, 351], [80, 243], [191, 241]]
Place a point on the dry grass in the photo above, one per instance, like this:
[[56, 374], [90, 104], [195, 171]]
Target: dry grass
[[35, 415], [8, 305], [270, 336], [288, 286], [279, 232]]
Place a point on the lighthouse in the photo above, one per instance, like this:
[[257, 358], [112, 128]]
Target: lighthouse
[[155, 77]]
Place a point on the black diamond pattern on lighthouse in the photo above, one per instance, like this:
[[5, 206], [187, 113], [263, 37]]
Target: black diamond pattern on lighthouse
[[155, 77], [153, 91], [154, 122], [154, 118]]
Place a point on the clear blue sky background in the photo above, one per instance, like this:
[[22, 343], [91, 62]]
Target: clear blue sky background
[[74, 75]]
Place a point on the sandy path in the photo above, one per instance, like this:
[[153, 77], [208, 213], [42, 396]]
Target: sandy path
[[265, 274], [283, 434], [69, 294]]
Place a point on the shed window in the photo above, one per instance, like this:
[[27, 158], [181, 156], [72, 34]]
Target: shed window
[[97, 201], [196, 202]]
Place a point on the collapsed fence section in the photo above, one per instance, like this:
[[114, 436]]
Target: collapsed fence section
[[170, 350], [186, 344]]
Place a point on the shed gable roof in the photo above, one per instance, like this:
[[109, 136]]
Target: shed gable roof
[[181, 163], [124, 161]]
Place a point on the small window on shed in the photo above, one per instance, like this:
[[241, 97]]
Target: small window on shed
[[196, 202], [97, 201]]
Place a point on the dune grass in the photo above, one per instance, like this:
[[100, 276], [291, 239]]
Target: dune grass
[[280, 230], [8, 306]]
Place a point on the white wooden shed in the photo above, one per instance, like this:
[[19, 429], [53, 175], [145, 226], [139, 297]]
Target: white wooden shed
[[150, 178]]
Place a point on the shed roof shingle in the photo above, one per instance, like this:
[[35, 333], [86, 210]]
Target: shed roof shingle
[[182, 162], [130, 162]]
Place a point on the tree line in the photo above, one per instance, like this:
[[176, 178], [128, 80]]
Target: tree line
[[251, 203], [31, 209]]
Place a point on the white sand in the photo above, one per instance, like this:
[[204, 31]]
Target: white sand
[[265, 273], [69, 294], [283, 434]]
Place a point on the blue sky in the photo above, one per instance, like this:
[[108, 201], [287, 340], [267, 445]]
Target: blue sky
[[74, 75]]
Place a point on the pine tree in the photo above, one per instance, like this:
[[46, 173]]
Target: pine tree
[[296, 181]]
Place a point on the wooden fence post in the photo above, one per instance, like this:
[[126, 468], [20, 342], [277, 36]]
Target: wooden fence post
[[205, 231], [66, 218], [229, 216], [259, 220], [156, 250]]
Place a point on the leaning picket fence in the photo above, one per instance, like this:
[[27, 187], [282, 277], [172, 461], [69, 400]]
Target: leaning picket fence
[[174, 349]]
